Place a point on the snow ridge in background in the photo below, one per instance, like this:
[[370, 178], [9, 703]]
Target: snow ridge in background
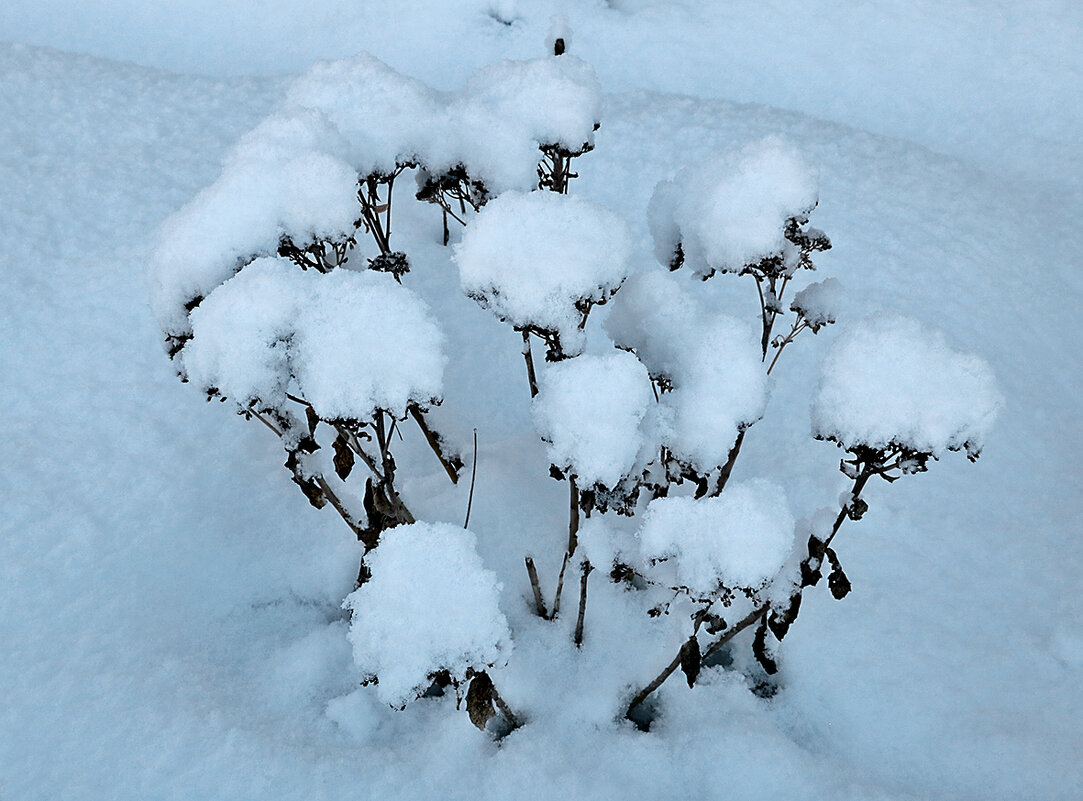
[[958, 77]]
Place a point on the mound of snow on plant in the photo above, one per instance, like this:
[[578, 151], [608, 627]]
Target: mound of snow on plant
[[732, 210], [430, 606], [737, 539], [538, 259], [892, 381], [591, 411], [273, 323]]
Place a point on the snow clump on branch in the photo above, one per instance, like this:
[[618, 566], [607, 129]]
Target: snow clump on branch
[[891, 381], [733, 210], [430, 606], [295, 176], [273, 323], [540, 260], [710, 362], [738, 539], [593, 411], [284, 179]]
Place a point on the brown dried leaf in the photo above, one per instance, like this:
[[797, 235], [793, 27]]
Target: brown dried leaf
[[479, 700]]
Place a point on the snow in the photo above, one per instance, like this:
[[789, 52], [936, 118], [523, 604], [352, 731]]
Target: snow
[[430, 605], [819, 302], [731, 211], [890, 381], [353, 342], [737, 539], [658, 318], [266, 191], [170, 605], [507, 110], [531, 258], [387, 118], [494, 125], [711, 361], [296, 173], [592, 412], [720, 390]]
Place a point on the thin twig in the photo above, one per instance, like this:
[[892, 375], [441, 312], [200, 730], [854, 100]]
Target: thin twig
[[668, 670], [502, 705], [573, 516], [727, 468], [582, 603], [560, 588], [339, 507], [473, 478], [529, 357], [539, 602], [265, 421], [434, 442]]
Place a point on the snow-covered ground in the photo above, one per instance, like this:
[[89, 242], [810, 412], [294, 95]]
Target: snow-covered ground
[[169, 603]]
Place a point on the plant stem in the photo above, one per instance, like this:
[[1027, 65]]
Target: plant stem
[[539, 602], [434, 442], [560, 588], [502, 705], [573, 516], [532, 377], [668, 670], [582, 604], [473, 478], [727, 468], [339, 507]]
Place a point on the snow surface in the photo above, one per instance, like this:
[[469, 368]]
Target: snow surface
[[430, 605], [889, 381], [170, 604], [737, 539]]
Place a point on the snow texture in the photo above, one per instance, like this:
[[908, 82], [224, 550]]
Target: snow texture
[[536, 258], [731, 211], [592, 412], [430, 605], [657, 318], [737, 539], [891, 381], [387, 118], [494, 125], [508, 110], [352, 342]]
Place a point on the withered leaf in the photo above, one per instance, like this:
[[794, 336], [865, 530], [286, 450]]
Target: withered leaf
[[837, 581], [343, 457], [759, 649], [780, 622], [479, 700], [691, 659]]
